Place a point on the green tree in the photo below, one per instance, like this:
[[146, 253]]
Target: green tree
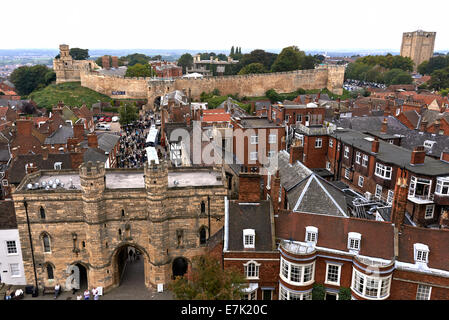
[[433, 64], [344, 294], [319, 58], [27, 79], [208, 281], [440, 79], [397, 76], [290, 58], [444, 92], [139, 70], [156, 58], [128, 114], [232, 51], [186, 60], [222, 57], [318, 292], [79, 54], [135, 58], [273, 96], [253, 68]]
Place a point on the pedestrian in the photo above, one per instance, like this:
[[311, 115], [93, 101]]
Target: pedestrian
[[80, 297], [95, 293], [86, 294], [57, 290]]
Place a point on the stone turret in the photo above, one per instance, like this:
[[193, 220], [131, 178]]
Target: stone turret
[[92, 178]]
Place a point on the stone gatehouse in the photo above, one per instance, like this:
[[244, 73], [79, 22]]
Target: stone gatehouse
[[82, 223]]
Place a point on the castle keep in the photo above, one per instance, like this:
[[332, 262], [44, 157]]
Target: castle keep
[[84, 222], [418, 46], [67, 69]]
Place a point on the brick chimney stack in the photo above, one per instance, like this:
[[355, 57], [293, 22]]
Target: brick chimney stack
[[399, 202], [296, 152], [423, 126], [30, 168], [436, 126], [418, 155], [92, 140], [375, 145], [78, 131], [384, 126], [249, 187], [44, 153], [24, 127]]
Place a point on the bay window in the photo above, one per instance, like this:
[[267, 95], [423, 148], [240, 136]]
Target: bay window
[[288, 294], [370, 287], [419, 188], [383, 171], [297, 274], [442, 187]]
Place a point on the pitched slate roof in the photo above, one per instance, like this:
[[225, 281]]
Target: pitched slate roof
[[60, 136], [94, 155], [307, 191], [107, 141], [250, 216], [410, 139], [7, 215], [16, 171]]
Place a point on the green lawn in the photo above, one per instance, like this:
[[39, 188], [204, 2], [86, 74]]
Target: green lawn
[[71, 93]]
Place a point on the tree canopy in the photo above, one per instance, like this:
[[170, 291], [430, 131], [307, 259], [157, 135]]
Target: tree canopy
[[253, 68], [208, 281], [27, 79], [388, 61], [140, 70], [186, 60], [440, 79], [290, 58], [433, 64], [128, 114], [135, 58]]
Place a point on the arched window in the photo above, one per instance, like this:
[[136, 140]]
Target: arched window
[[42, 212], [203, 235], [46, 241], [203, 207], [123, 212], [50, 272]]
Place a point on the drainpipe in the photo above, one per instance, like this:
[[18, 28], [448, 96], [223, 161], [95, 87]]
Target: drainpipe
[[31, 245]]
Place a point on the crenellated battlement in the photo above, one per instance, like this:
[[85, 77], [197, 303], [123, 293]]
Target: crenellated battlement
[[92, 170]]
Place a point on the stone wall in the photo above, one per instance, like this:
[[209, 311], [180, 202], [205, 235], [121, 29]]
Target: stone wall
[[330, 77], [107, 220]]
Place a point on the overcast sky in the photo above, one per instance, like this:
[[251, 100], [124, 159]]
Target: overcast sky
[[265, 24]]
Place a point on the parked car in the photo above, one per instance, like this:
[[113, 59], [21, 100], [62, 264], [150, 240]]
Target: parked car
[[103, 126], [101, 119], [107, 119], [115, 119]]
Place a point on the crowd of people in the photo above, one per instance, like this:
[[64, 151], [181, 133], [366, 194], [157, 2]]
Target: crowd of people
[[132, 142], [354, 85]]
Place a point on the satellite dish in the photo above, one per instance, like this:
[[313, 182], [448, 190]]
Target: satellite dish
[[50, 182], [54, 185], [43, 184], [58, 182], [36, 185], [29, 186]]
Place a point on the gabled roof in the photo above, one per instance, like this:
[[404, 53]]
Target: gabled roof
[[60, 136], [107, 141], [289, 174], [250, 216]]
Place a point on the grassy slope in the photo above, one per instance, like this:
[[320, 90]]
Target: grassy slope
[[71, 93]]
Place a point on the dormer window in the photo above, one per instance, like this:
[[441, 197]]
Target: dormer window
[[249, 238], [354, 239], [58, 165], [421, 252], [311, 234]]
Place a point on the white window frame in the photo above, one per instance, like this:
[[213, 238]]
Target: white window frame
[[57, 165], [286, 266], [382, 288], [249, 238], [421, 253], [442, 187], [287, 294], [413, 184], [383, 171], [347, 173], [390, 196], [328, 165], [299, 119], [5, 182], [331, 143], [255, 139], [318, 143], [326, 279], [365, 160], [361, 181], [378, 193], [423, 292], [250, 295], [358, 157], [429, 213], [311, 234], [272, 138], [354, 241], [246, 268], [8, 247], [346, 152], [253, 155], [13, 270]]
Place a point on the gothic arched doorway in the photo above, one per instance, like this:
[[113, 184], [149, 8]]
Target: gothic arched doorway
[[129, 266], [179, 267]]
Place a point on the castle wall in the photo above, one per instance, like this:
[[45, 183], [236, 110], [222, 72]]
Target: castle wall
[[330, 77]]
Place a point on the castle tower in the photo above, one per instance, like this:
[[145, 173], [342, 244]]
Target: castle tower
[[418, 46], [156, 184], [64, 51], [93, 182]]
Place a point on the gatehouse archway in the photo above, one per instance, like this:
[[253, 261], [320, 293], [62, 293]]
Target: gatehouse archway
[[130, 266], [179, 267]]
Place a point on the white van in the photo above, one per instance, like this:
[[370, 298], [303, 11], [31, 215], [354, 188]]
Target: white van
[[115, 119], [103, 126]]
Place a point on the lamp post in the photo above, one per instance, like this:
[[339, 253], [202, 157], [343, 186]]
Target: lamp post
[[31, 245]]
